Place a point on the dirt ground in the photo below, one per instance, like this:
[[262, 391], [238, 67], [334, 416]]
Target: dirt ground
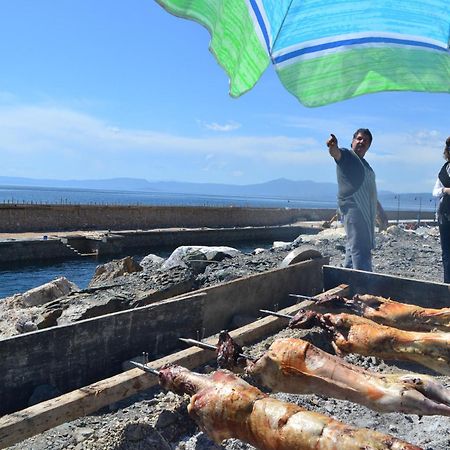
[[159, 420]]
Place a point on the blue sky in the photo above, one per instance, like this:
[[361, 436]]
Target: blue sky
[[102, 89]]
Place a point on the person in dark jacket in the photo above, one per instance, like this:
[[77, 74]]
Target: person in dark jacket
[[442, 191], [357, 198]]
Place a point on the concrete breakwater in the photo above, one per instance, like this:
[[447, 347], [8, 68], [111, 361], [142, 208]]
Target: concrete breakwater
[[16, 218], [129, 242], [165, 226]]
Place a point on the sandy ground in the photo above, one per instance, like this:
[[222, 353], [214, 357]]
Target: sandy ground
[[50, 235]]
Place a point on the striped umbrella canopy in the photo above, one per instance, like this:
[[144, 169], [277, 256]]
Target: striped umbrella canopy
[[326, 51]]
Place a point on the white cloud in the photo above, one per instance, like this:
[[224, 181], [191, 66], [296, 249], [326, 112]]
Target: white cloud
[[409, 149], [59, 142], [28, 130], [230, 126]]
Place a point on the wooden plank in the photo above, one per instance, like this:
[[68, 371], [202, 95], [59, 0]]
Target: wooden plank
[[41, 417]]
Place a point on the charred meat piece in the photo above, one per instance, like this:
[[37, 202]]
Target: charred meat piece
[[353, 334], [229, 353], [225, 406], [389, 312], [297, 366]]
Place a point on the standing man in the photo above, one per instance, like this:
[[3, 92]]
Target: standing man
[[357, 198]]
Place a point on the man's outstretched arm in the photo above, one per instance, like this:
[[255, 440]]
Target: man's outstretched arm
[[332, 144]]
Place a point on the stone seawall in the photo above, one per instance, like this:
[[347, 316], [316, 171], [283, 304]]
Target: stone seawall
[[16, 218], [26, 218]]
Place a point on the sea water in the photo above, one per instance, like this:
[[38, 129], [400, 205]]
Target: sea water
[[45, 195], [18, 278]]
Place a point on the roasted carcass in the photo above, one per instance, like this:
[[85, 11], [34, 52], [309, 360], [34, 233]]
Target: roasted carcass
[[225, 406], [297, 366], [353, 334], [389, 312]]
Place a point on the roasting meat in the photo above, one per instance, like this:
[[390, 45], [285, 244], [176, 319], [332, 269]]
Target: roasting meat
[[389, 312], [225, 406], [296, 366], [353, 334]]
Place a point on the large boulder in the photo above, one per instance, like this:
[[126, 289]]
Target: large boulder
[[25, 325], [394, 230], [300, 254], [151, 262], [329, 234], [86, 306], [197, 257], [114, 269], [127, 293], [46, 292]]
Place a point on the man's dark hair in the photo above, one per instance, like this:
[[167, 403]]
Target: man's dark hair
[[364, 131]]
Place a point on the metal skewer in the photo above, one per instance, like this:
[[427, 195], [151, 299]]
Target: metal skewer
[[276, 314], [306, 297], [206, 346], [145, 368]]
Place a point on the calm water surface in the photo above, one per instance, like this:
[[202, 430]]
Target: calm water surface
[[20, 278], [63, 196]]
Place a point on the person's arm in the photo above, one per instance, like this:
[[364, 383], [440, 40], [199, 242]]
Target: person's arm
[[382, 219], [332, 144], [439, 190]]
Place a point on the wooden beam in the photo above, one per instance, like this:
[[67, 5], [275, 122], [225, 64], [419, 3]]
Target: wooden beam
[[41, 417]]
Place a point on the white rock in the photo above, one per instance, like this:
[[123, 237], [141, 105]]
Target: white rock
[[282, 245], [257, 251], [181, 255], [47, 292]]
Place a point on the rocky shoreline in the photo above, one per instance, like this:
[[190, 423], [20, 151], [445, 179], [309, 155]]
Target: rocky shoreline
[[158, 420]]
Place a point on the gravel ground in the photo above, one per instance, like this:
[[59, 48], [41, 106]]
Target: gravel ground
[[158, 420]]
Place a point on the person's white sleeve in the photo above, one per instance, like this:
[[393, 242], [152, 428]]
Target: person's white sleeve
[[438, 190]]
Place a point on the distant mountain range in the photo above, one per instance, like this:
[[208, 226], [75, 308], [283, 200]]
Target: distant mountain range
[[279, 188], [276, 188]]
